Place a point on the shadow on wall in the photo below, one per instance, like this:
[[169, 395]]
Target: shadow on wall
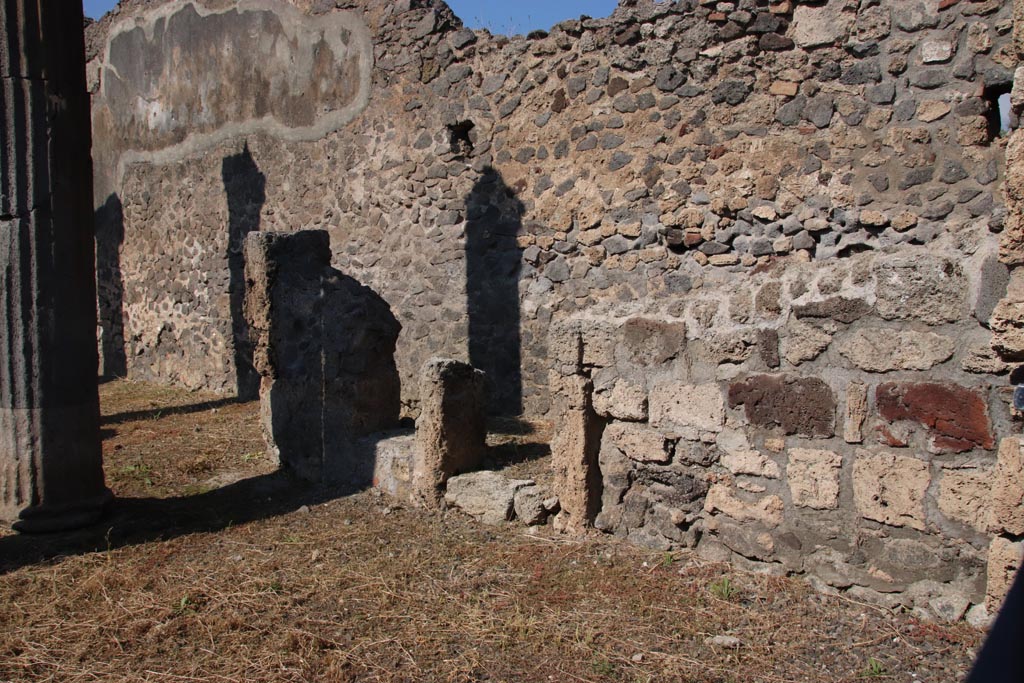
[[493, 268], [109, 226], [245, 187]]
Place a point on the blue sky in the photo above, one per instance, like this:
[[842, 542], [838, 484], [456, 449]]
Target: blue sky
[[523, 16], [519, 16]]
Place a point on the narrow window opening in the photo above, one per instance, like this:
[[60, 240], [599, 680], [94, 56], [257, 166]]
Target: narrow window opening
[[1005, 113], [999, 114], [459, 138]]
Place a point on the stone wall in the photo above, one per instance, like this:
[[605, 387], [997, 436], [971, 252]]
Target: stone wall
[[1006, 551], [630, 158], [788, 212], [841, 430]]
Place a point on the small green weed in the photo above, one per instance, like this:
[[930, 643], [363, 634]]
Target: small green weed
[[140, 471], [185, 605], [723, 589], [602, 667], [874, 669]]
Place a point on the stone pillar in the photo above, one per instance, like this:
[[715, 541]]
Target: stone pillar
[[578, 429], [451, 431], [284, 306], [51, 474], [324, 348]]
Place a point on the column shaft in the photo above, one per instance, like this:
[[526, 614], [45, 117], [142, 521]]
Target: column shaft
[[51, 474]]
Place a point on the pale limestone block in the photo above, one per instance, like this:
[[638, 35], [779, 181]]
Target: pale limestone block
[[932, 110], [784, 88], [638, 442], [740, 458], [1006, 514], [622, 401], [979, 39], [904, 221], [574, 454], [565, 346], [924, 287], [488, 496], [723, 259], [599, 340], [571, 392], [964, 495], [1008, 333], [817, 26], [767, 510], [856, 412], [813, 477], [1004, 559], [982, 359], [936, 51], [878, 349], [890, 488], [690, 408], [451, 431], [874, 219], [804, 342]]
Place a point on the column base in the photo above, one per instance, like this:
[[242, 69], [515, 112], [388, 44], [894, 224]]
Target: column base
[[48, 519]]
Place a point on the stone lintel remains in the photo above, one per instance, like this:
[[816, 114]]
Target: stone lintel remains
[[451, 430], [51, 474], [324, 348]]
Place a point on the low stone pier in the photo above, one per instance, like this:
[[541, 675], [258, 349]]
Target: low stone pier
[[451, 431], [324, 348]]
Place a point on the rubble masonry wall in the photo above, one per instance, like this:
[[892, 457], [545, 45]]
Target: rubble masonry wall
[[779, 215]]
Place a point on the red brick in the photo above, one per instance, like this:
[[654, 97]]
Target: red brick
[[692, 239], [799, 405], [956, 417], [886, 437]]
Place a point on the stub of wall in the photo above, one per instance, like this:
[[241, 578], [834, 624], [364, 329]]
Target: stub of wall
[[819, 436]]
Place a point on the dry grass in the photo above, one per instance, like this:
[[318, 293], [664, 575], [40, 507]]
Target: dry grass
[[362, 589]]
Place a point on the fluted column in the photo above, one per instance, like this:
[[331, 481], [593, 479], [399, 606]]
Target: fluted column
[[51, 474]]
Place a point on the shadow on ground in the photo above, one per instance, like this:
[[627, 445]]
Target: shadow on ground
[[131, 521], [154, 413]]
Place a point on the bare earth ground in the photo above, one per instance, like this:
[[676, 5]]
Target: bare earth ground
[[211, 568]]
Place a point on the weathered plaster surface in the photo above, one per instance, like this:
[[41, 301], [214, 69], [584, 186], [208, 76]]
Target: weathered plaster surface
[[181, 79]]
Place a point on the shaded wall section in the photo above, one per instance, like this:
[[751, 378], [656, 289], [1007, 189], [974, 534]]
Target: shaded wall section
[[109, 221], [245, 188], [493, 268]]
